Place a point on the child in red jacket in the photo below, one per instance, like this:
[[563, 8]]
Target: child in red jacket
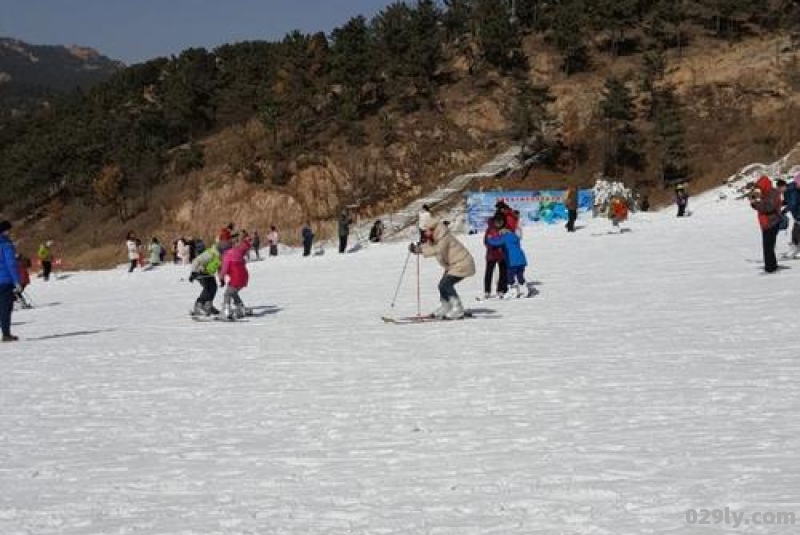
[[23, 265], [234, 267]]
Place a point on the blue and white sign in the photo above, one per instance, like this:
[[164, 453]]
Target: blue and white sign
[[544, 206]]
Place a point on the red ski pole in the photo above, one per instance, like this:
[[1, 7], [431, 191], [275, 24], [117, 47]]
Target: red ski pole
[[419, 299]]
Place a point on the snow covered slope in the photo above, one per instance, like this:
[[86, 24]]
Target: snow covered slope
[[655, 372]]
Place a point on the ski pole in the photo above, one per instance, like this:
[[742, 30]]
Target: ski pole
[[419, 298], [400, 282]]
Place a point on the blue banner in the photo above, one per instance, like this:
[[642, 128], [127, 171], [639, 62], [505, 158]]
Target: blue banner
[[544, 206]]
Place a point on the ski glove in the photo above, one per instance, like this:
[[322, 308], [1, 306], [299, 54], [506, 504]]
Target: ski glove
[[413, 248], [221, 283], [193, 277]]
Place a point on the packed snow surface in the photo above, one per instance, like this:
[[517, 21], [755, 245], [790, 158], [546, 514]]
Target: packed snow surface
[[655, 372]]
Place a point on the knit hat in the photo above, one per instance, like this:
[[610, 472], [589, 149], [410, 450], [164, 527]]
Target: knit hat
[[5, 226], [432, 223]]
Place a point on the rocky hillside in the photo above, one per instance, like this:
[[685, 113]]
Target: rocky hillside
[[29, 72]]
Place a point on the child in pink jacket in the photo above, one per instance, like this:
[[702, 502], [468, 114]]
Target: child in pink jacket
[[234, 267]]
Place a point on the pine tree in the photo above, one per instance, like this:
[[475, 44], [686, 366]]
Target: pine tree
[[670, 136], [623, 147], [457, 18], [615, 16], [499, 39], [352, 65], [568, 21], [531, 116]]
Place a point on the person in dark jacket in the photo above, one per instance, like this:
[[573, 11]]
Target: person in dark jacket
[[791, 199], [308, 239], [376, 232], [9, 281], [767, 201], [257, 244], [495, 257], [681, 199], [571, 204], [344, 230]]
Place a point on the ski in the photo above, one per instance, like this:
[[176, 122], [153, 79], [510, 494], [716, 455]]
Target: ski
[[210, 319], [222, 319], [533, 292], [482, 298], [408, 320]]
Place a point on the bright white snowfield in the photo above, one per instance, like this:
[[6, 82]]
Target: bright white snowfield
[[656, 372]]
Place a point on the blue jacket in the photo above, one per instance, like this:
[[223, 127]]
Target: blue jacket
[[791, 198], [9, 272], [307, 235], [515, 256]]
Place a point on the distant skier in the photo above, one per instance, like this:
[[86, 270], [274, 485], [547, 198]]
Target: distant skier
[[23, 265], [766, 200], [681, 199], [617, 211], [571, 204], [155, 251], [45, 255], [132, 246], [376, 232], [344, 230], [9, 281], [456, 260], [791, 199], [495, 257], [644, 203], [515, 258], [308, 238], [234, 268], [273, 239], [204, 269], [184, 252], [257, 244]]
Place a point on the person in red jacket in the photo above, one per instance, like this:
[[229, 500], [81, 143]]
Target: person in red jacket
[[767, 201], [23, 265], [234, 267], [495, 257], [511, 219]]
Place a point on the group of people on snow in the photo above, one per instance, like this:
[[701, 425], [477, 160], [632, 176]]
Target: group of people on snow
[[186, 250], [503, 251], [15, 276], [773, 203], [503, 242], [225, 261], [13, 279]]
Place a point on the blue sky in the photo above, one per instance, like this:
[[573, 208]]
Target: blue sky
[[138, 30]]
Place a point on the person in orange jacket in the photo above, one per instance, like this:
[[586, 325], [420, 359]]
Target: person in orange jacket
[[617, 210]]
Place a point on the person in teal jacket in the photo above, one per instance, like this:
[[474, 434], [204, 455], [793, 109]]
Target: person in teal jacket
[[515, 257], [9, 281]]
